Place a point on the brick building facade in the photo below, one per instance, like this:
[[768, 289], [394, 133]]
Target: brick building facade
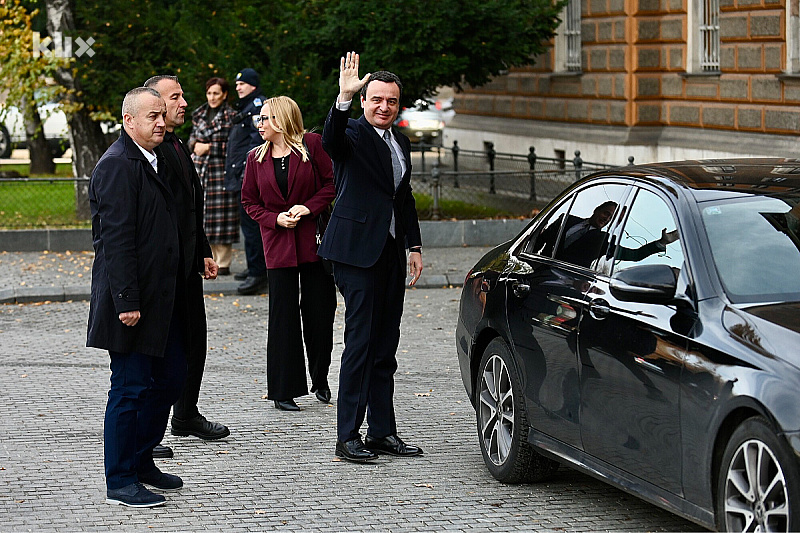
[[655, 79]]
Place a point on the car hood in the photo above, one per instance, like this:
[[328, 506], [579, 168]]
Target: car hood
[[772, 329]]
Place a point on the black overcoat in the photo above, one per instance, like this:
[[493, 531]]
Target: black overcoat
[[135, 237]]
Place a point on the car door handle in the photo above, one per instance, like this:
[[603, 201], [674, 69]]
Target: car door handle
[[599, 309], [521, 290]]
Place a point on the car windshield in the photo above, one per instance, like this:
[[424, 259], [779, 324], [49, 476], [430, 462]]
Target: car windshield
[[755, 243]]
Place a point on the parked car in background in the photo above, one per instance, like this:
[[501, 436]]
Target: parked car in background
[[54, 123], [645, 329], [421, 123]]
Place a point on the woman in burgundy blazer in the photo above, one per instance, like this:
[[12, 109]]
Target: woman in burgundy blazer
[[288, 182]]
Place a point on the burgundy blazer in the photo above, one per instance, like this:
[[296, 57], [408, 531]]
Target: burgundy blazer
[[263, 201]]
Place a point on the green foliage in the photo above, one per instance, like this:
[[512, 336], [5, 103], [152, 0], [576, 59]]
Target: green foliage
[[296, 45], [23, 75]]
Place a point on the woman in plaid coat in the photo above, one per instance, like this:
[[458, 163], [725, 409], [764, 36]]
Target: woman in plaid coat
[[208, 142]]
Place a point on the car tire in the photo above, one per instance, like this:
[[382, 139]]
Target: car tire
[[755, 459], [503, 422], [5, 143]]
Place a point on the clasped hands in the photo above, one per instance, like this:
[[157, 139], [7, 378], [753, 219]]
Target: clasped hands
[[289, 219]]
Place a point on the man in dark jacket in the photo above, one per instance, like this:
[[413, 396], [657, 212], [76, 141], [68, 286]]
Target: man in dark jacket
[[244, 137], [138, 300], [187, 193], [374, 222]]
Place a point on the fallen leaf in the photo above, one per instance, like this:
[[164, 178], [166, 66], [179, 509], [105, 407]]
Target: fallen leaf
[[423, 485]]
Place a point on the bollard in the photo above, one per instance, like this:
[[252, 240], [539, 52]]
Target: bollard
[[532, 163], [630, 161], [455, 164], [435, 176], [490, 154], [578, 164]]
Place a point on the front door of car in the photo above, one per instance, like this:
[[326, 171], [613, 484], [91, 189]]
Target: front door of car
[[545, 297], [632, 359]]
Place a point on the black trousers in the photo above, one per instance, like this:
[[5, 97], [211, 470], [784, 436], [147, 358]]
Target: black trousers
[[373, 308], [306, 292], [195, 335]]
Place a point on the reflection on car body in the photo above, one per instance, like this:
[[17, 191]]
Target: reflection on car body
[[662, 357]]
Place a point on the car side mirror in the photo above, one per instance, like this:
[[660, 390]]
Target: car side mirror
[[654, 284]]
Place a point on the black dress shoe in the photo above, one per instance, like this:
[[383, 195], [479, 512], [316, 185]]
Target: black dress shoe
[[224, 271], [199, 427], [240, 276], [286, 405], [158, 479], [323, 395], [252, 285], [392, 445], [162, 452], [354, 451]]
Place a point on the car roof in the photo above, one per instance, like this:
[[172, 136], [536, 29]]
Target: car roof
[[751, 175]]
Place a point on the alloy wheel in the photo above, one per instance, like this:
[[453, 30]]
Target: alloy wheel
[[756, 497], [496, 410]]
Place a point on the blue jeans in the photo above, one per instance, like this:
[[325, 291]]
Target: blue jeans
[[143, 388]]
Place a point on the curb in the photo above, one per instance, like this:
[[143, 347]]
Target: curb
[[66, 293]]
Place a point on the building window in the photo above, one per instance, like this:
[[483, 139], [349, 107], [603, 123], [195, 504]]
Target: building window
[[703, 46], [792, 37], [568, 40]]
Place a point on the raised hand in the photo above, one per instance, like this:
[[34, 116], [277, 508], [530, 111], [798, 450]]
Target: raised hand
[[349, 82]]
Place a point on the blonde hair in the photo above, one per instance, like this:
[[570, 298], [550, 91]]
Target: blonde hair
[[286, 119]]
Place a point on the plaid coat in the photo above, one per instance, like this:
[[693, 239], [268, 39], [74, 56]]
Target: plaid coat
[[221, 221]]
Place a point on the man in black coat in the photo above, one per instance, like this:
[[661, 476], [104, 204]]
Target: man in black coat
[[137, 302], [187, 192], [374, 221], [242, 138]]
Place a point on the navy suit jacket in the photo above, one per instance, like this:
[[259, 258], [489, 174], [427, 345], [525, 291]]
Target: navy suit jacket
[[365, 193], [136, 245]]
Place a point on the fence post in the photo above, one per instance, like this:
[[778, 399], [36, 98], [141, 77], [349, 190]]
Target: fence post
[[490, 154], [532, 163], [630, 160], [578, 164], [435, 176], [422, 149], [455, 164]]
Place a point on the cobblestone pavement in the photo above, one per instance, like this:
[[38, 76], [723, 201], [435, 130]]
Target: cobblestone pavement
[[62, 276], [277, 470]]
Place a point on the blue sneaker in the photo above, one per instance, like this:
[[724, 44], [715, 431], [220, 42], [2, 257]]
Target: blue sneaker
[[134, 495]]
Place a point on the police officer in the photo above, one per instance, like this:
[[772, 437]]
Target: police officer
[[243, 138]]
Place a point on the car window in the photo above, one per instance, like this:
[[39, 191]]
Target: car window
[[583, 236], [755, 243], [542, 240], [650, 235]]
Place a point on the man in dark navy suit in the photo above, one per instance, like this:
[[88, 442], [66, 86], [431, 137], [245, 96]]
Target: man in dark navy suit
[[187, 192], [374, 221]]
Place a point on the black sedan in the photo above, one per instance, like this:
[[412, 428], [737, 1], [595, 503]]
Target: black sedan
[[645, 329]]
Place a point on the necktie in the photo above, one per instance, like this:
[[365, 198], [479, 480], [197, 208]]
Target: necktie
[[397, 171], [575, 233]]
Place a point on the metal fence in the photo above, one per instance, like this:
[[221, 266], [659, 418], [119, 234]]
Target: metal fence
[[453, 182], [507, 184]]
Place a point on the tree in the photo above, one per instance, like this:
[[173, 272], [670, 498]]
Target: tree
[[23, 78]]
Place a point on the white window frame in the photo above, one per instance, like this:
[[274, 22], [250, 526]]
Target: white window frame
[[568, 39], [703, 46], [792, 37]]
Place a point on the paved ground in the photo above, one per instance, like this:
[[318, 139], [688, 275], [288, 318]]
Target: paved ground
[[63, 276], [277, 470]]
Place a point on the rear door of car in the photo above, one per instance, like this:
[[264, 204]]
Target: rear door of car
[[631, 358], [545, 299]]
